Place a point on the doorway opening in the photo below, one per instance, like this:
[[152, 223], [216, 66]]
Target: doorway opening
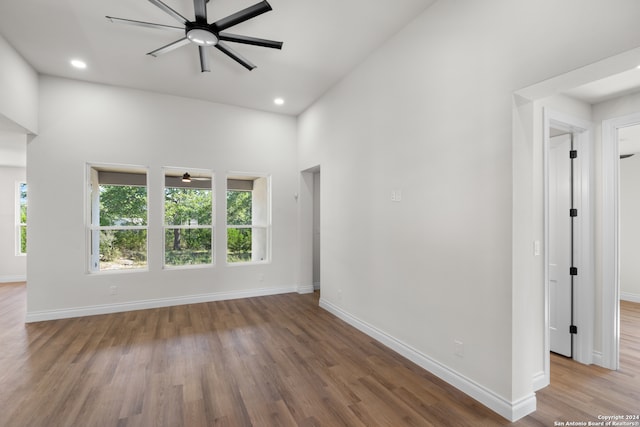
[[619, 138], [316, 231], [13, 201], [569, 246], [530, 200], [309, 204]]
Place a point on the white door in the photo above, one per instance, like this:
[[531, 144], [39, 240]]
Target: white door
[[560, 304]]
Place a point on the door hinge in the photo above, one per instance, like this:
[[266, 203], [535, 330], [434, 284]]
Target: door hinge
[[573, 271], [573, 154], [573, 213], [573, 329]]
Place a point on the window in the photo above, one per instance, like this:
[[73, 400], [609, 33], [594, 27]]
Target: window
[[21, 219], [248, 219], [188, 226], [118, 218]]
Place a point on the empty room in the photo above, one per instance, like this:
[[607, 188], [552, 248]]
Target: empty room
[[363, 213]]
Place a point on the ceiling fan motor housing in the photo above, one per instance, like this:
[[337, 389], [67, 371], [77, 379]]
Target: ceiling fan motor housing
[[200, 34]]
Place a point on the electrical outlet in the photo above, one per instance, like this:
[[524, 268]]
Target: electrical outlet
[[458, 348], [113, 290]]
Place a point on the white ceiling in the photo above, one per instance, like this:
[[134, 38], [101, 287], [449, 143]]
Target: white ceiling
[[608, 88], [323, 41], [612, 87]]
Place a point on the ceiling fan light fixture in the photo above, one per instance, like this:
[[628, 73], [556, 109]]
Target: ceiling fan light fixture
[[202, 37], [186, 177]]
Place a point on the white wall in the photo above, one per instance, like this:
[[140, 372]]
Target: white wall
[[13, 267], [83, 122], [429, 113], [13, 148], [18, 89], [630, 228]]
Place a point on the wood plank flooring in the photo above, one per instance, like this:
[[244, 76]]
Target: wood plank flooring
[[268, 361]]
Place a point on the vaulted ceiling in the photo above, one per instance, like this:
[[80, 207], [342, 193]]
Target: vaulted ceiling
[[323, 41]]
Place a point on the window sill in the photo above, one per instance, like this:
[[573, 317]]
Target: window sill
[[187, 267]]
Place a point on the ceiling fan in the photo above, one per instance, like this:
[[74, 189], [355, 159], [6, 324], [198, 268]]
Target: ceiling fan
[[186, 177], [204, 35]]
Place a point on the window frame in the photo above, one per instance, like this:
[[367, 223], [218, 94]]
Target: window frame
[[267, 226], [91, 228], [18, 217], [195, 173]]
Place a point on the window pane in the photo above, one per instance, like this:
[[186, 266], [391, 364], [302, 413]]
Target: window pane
[[22, 221], [187, 206], [238, 244], [123, 249], [239, 207], [23, 203], [23, 239], [123, 205], [187, 246]]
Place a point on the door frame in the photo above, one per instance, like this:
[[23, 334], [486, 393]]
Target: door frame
[[304, 197], [610, 238], [529, 310], [584, 255]]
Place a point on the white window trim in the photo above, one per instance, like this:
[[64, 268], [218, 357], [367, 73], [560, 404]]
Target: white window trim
[[211, 226], [91, 228], [267, 226]]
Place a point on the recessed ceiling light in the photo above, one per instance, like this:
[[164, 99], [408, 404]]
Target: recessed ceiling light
[[79, 64], [278, 101]]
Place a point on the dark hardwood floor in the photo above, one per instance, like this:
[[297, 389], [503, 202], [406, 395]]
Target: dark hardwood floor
[[268, 361]]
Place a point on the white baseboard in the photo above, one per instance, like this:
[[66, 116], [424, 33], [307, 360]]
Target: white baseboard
[[11, 279], [305, 289], [316, 286], [540, 381], [596, 358], [39, 316], [511, 410], [627, 296]]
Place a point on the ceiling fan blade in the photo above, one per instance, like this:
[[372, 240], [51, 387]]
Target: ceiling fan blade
[[236, 38], [169, 11], [241, 16], [200, 6], [144, 24], [171, 46], [204, 59], [235, 56]]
